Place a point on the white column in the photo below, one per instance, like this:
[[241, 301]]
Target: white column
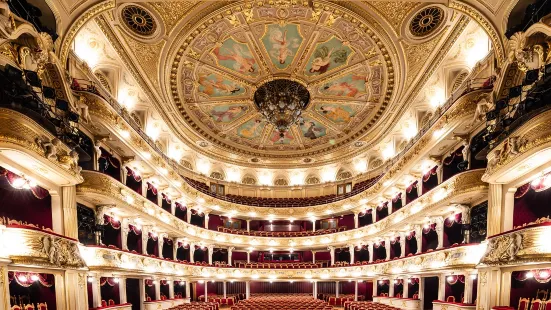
[[191, 252], [188, 289], [210, 249], [370, 249], [96, 302], [206, 293], [122, 290], [314, 257], [387, 248], [4, 282], [439, 172], [157, 283], [171, 289], [468, 293], [402, 244], [420, 186], [248, 225], [405, 291], [375, 283], [332, 253], [125, 229], [248, 257], [351, 248], [374, 214], [230, 253], [356, 290], [421, 289], [404, 196], [389, 207], [145, 237], [174, 248], [337, 289], [313, 225], [224, 289], [69, 206], [315, 289], [160, 244], [391, 287], [419, 238], [356, 221], [442, 287], [247, 290], [495, 209], [188, 214], [206, 220], [440, 231], [142, 293]]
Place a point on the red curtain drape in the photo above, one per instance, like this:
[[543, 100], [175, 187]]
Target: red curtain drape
[[134, 174], [26, 279], [429, 173], [114, 223], [18, 182]]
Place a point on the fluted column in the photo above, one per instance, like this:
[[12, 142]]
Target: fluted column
[[157, 282], [69, 205], [75, 285], [4, 284], [96, 301], [495, 207], [387, 248], [351, 248], [188, 289]]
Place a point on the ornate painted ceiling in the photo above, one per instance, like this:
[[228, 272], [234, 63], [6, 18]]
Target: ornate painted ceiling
[[198, 64]]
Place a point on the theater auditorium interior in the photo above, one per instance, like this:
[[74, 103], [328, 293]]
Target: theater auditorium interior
[[275, 154]]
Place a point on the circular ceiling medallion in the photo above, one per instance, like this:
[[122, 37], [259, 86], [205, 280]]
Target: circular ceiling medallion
[[138, 20], [426, 21]]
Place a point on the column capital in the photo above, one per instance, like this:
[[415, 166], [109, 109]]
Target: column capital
[[101, 211]]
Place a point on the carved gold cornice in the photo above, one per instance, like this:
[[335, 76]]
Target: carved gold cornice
[[21, 133], [39, 248], [519, 247], [510, 155], [464, 188], [463, 257]]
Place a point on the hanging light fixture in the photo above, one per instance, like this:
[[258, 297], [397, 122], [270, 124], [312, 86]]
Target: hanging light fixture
[[282, 102]]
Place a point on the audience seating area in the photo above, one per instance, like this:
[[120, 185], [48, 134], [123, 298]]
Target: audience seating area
[[297, 265], [280, 233], [283, 202], [197, 306], [282, 302], [367, 305]]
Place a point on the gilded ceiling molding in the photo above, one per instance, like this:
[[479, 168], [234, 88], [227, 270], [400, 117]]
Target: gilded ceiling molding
[[83, 18], [497, 42]]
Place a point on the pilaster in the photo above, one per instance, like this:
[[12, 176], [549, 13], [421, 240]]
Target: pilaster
[[495, 197], [75, 290]]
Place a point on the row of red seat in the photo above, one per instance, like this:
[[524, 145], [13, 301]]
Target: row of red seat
[[283, 202], [197, 306], [367, 305], [297, 265], [282, 302]]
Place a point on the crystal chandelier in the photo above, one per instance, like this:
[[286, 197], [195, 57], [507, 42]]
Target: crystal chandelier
[[281, 102]]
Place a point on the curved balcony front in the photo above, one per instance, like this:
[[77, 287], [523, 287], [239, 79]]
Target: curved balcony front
[[465, 188]]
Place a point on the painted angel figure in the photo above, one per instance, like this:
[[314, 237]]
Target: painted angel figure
[[311, 131], [323, 57], [217, 86], [281, 46], [243, 60]]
